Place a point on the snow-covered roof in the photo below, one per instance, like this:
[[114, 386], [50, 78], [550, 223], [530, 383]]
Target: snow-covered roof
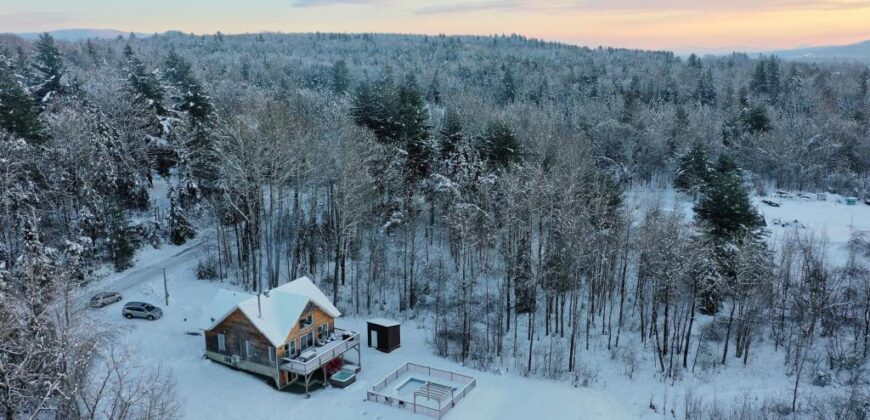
[[303, 286], [276, 314], [222, 304], [384, 322]]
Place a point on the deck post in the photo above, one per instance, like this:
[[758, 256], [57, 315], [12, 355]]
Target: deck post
[[307, 381]]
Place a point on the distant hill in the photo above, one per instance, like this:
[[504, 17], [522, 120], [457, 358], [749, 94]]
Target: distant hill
[[73, 35], [853, 52]]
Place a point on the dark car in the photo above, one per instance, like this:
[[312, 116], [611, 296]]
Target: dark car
[[105, 298], [141, 310]]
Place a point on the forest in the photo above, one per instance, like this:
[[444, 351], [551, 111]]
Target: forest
[[485, 186]]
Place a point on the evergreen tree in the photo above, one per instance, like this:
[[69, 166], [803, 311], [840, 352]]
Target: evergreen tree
[[340, 77], [508, 86], [434, 92], [630, 101], [450, 135], [48, 69], [694, 171], [766, 80], [755, 119], [18, 113], [398, 117], [413, 119], [143, 84], [499, 146], [121, 243], [705, 93], [180, 228], [694, 61], [725, 210], [728, 219]]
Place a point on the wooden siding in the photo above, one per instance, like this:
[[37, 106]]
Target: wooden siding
[[237, 328], [319, 317]]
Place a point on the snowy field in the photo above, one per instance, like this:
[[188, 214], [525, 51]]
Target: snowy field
[[212, 391]]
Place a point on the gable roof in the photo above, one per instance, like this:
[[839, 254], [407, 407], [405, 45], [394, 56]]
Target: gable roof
[[303, 286], [276, 314], [222, 305]]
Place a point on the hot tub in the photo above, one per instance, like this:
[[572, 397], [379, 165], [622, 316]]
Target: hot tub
[[342, 378]]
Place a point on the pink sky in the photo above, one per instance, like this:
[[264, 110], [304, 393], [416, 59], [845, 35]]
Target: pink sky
[[705, 25]]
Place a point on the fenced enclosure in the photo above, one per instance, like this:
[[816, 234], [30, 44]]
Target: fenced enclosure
[[429, 376]]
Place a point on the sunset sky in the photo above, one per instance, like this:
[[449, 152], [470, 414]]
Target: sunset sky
[[682, 25]]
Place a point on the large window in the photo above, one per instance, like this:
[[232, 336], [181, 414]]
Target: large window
[[222, 342], [307, 340], [323, 332], [291, 348]]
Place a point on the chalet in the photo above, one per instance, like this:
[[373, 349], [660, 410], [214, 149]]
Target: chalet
[[287, 334]]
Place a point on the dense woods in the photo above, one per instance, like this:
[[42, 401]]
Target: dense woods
[[490, 187]]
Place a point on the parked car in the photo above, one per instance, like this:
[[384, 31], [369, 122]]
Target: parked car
[[105, 298], [141, 310]]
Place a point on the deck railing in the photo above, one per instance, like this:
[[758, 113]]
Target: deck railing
[[327, 352], [376, 395]]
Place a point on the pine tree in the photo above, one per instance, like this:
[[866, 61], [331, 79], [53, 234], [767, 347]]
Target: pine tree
[[755, 120], [48, 69], [340, 77], [694, 61], [18, 113], [434, 92], [725, 210], [450, 134], [705, 93], [398, 117], [508, 87], [413, 118], [694, 170], [143, 84], [499, 146], [180, 229], [121, 244], [727, 217]]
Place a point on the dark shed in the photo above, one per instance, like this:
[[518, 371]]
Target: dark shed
[[384, 334]]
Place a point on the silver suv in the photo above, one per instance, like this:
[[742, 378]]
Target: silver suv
[[141, 310], [106, 298]]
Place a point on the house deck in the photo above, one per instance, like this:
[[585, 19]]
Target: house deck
[[344, 340]]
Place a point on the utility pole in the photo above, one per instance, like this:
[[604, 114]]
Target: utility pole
[[165, 290]]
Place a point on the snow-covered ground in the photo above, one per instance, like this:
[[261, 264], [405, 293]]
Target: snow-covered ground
[[212, 391]]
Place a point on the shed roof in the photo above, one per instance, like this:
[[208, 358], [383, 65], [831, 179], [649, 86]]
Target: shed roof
[[384, 322]]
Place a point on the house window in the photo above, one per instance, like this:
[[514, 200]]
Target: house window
[[323, 332], [306, 322], [271, 354], [307, 340], [222, 342], [247, 349], [291, 348]]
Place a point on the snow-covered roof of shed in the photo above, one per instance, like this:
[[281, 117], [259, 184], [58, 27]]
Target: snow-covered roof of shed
[[277, 313], [384, 322]]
